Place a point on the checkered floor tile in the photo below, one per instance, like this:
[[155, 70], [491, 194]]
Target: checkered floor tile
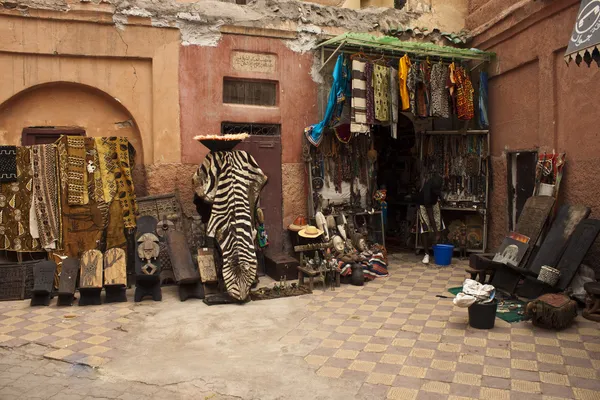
[[403, 342]]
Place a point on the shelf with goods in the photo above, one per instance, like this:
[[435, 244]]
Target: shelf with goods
[[463, 156]]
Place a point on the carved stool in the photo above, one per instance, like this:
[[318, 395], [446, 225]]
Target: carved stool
[[43, 282], [184, 268], [115, 275], [311, 274], [592, 301], [90, 285], [68, 281]]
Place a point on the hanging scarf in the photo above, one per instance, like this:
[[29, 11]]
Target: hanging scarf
[[337, 96], [439, 95], [394, 100], [370, 94], [484, 123], [45, 182], [464, 95], [381, 85], [124, 181], [107, 166], [8, 163], [359, 98]]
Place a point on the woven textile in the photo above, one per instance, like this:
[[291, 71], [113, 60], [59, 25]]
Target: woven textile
[[440, 107], [381, 85], [107, 166], [8, 163], [359, 98], [45, 181], [370, 93], [125, 189], [76, 172], [394, 100], [15, 206], [464, 95]]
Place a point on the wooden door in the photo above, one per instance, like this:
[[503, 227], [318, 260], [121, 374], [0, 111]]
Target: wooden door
[[266, 150]]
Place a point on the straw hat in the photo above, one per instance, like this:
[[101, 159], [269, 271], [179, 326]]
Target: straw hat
[[299, 224], [310, 232]]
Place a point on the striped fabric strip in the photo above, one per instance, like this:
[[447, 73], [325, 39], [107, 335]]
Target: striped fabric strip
[[359, 98]]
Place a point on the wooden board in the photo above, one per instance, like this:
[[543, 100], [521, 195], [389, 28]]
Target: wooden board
[[68, 276], [115, 267], [43, 276], [582, 239], [184, 267], [532, 220], [91, 269], [562, 228], [206, 265]]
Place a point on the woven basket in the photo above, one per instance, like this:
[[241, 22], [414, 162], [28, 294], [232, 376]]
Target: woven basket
[[549, 275]]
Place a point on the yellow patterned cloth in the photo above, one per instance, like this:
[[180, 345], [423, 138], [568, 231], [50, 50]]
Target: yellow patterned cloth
[[124, 181], [107, 165], [15, 206], [381, 84], [76, 171]]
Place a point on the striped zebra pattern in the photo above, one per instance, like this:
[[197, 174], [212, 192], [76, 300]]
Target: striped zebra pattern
[[359, 98], [231, 181]]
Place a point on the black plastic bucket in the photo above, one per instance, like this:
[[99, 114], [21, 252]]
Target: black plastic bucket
[[483, 316]]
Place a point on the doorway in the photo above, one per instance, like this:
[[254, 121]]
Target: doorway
[[521, 182]]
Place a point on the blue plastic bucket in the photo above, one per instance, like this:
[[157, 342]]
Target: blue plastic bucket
[[442, 254]]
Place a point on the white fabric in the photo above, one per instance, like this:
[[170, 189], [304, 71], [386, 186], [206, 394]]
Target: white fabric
[[321, 223], [584, 275], [474, 291]]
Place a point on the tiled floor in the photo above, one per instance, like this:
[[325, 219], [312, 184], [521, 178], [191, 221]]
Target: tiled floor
[[392, 338], [400, 339]]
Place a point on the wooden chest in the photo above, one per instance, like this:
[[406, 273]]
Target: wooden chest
[[278, 265]]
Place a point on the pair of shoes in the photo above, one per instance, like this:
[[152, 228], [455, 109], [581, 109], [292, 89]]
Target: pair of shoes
[[426, 259]]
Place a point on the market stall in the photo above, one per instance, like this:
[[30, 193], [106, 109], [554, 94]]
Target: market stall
[[396, 113]]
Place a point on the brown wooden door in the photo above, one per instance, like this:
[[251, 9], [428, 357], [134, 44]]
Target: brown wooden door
[[266, 150]]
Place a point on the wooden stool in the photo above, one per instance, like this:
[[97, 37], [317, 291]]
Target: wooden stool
[[90, 285], [115, 275], [43, 281], [592, 301], [302, 272], [68, 281]]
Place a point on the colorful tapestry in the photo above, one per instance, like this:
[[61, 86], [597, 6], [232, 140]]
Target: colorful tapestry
[[15, 206], [45, 182], [76, 171], [8, 163], [374, 266]]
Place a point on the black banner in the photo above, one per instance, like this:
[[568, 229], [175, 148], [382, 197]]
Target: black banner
[[586, 34]]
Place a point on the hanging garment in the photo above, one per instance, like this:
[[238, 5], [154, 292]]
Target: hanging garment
[[76, 171], [370, 94], [335, 103], [15, 206], [484, 123], [451, 86], [439, 95], [422, 93], [464, 95], [231, 181], [403, 69], [411, 84], [8, 163], [107, 165], [381, 86], [394, 98], [125, 190], [45, 182], [359, 98]]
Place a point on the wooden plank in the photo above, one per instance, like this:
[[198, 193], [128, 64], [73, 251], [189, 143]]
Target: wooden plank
[[206, 265], [183, 266], [562, 228], [582, 239], [115, 267], [532, 220], [91, 269], [68, 276]]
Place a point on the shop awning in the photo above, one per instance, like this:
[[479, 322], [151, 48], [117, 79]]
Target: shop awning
[[586, 34], [356, 41]]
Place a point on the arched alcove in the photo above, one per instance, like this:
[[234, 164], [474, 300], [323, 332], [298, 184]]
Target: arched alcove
[[68, 104]]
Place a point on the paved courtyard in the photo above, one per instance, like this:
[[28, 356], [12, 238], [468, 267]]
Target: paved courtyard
[[392, 338]]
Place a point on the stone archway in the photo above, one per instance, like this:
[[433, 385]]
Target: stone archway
[[68, 104]]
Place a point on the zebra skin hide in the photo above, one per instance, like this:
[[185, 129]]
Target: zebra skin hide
[[231, 181]]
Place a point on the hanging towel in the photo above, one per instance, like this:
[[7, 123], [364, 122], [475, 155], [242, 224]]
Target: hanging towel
[[394, 98], [484, 123], [337, 96], [359, 98], [8, 163]]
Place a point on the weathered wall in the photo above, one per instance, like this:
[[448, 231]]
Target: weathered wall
[[202, 70], [536, 100], [136, 67]]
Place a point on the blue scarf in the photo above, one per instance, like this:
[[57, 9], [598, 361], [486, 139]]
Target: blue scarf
[[484, 123], [340, 91]]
